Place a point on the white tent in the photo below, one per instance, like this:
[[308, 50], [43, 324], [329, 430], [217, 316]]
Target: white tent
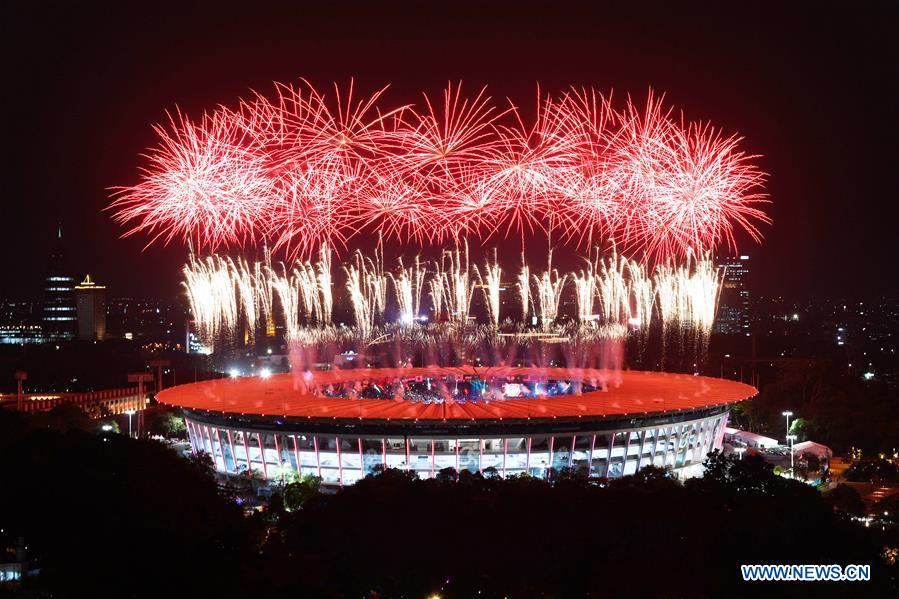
[[816, 449], [754, 440]]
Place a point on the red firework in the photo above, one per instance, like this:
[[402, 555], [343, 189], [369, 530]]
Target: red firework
[[302, 169]]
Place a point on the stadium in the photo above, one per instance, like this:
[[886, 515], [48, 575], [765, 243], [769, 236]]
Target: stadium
[[341, 425]]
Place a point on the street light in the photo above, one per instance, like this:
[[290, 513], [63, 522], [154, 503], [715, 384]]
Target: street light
[[130, 414], [791, 438], [787, 413]]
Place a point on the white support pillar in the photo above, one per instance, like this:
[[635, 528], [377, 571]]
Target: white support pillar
[[609, 455], [642, 449], [655, 444]]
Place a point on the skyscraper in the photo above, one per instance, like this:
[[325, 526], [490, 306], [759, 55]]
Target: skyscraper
[[59, 318], [90, 299], [733, 304]]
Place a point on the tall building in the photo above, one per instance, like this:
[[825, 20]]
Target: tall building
[[59, 319], [90, 300], [733, 304]]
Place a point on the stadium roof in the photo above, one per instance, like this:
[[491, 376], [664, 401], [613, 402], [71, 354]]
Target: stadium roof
[[627, 393]]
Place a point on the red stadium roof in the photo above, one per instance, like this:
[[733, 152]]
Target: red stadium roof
[[627, 393]]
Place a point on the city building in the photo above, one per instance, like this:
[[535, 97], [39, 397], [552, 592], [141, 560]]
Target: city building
[[733, 303], [147, 321], [341, 425], [20, 322], [90, 300], [59, 315]]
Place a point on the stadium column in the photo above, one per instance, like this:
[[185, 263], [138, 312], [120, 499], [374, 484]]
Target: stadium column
[[233, 455], [505, 455], [199, 429], [432, 457], [571, 451], [678, 435], [278, 456], [642, 448], [527, 462], [384, 452], [667, 443], [208, 439], [609, 455], [480, 455], [457, 456], [723, 420], [655, 444], [190, 436], [710, 437], [590, 461], [246, 450], [712, 430], [262, 456], [339, 462], [318, 462], [296, 455], [361, 459], [702, 438], [549, 465], [218, 439]]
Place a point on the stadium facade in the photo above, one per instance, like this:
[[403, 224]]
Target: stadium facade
[[343, 425]]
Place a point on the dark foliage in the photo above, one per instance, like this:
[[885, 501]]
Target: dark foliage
[[875, 471], [113, 516], [128, 518]]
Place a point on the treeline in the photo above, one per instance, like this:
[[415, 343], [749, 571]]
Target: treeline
[[109, 516]]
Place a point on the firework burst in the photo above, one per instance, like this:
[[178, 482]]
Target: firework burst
[[305, 169]]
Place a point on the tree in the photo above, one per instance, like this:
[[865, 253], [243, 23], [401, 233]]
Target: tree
[[297, 493], [650, 477], [173, 426], [166, 422], [873, 471], [447, 475], [202, 461], [845, 499], [66, 417], [751, 474], [248, 481]]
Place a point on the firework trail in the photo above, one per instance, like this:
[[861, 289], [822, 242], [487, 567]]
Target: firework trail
[[408, 285], [455, 273], [524, 288], [613, 290], [548, 293], [323, 277], [490, 284], [585, 292], [358, 287]]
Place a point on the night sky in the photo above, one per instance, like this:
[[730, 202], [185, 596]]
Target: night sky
[[813, 88]]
